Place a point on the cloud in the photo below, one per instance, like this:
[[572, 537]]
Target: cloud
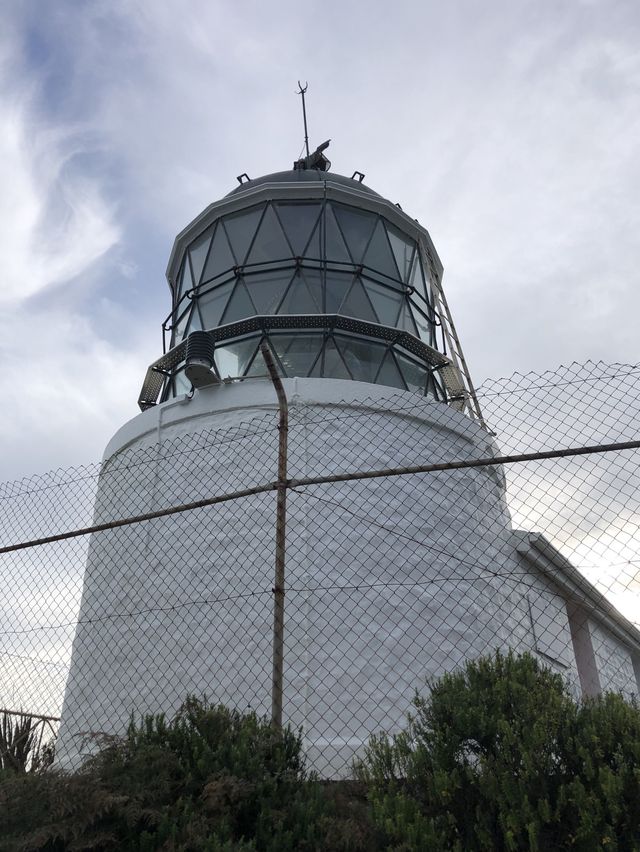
[[54, 219], [65, 389]]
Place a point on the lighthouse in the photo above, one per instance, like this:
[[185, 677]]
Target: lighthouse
[[390, 581]]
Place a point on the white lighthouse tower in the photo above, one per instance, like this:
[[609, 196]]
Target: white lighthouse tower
[[346, 290]]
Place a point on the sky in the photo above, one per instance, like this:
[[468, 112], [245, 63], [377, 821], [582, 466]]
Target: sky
[[509, 129]]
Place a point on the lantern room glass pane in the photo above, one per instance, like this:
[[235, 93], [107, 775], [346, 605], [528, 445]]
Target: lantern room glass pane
[[241, 230], [313, 279], [334, 366], [298, 221], [240, 305], [414, 375], [378, 256], [267, 288], [198, 254], [195, 323], [390, 373], [426, 329], [234, 359], [357, 227], [213, 304], [417, 278], [300, 298], [362, 356], [220, 257], [298, 354], [182, 324], [181, 383], [270, 243], [406, 320], [387, 302], [403, 249], [185, 283], [336, 289], [357, 304], [336, 248]]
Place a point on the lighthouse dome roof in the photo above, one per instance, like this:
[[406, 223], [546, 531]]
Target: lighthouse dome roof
[[303, 176]]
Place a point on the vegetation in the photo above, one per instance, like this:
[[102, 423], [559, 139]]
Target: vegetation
[[22, 744], [498, 756], [211, 779]]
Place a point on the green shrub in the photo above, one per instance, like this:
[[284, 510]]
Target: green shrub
[[500, 757], [23, 747], [211, 779]]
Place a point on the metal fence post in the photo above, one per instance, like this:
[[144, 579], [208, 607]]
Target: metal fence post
[[281, 516]]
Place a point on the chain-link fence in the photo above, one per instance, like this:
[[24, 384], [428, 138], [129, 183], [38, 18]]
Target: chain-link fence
[[415, 539]]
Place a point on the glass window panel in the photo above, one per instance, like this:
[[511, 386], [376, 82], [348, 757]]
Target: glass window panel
[[299, 299], [180, 307], [241, 230], [426, 329], [414, 375], [362, 357], [357, 304], [313, 250], [233, 360], [417, 277], [336, 249], [406, 320], [198, 254], [270, 243], [403, 249], [240, 305], [181, 325], [195, 323], [333, 367], [313, 278], [299, 221], [257, 367], [181, 383], [185, 283], [433, 388], [390, 374], [356, 227], [213, 303], [438, 386], [378, 255], [267, 288], [298, 354], [386, 302], [220, 258], [337, 287], [317, 369]]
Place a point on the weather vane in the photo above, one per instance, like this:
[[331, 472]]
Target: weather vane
[[317, 160], [302, 91]]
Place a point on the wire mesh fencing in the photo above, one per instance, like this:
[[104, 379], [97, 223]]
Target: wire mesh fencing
[[409, 549]]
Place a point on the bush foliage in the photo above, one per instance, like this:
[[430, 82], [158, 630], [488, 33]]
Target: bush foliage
[[23, 747], [212, 779], [497, 756], [500, 757]]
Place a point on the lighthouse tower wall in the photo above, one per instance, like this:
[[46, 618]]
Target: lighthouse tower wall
[[390, 582]]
